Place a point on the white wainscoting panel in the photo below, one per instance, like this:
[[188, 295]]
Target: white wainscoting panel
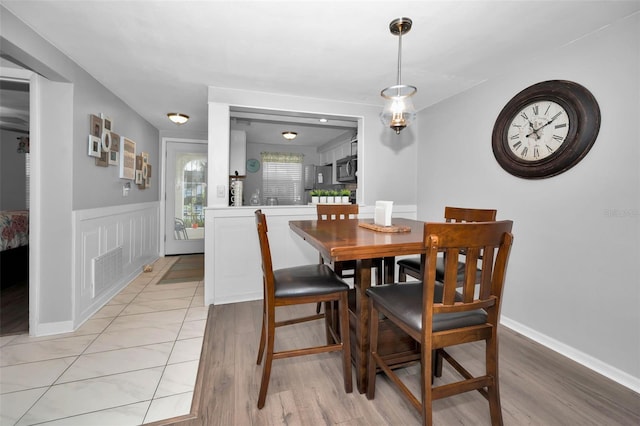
[[134, 227]]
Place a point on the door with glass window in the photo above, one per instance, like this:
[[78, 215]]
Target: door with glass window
[[186, 197]]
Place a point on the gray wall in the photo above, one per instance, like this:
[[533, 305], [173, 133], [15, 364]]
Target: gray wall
[[573, 280], [12, 167]]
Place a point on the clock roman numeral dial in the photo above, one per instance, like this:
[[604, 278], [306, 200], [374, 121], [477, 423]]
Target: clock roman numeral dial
[[538, 130]]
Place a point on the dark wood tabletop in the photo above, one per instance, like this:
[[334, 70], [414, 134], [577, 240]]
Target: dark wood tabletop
[[343, 240]]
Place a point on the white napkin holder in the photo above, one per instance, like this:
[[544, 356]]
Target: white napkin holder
[[382, 215]]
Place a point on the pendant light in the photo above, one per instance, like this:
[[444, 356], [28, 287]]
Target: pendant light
[[398, 110]]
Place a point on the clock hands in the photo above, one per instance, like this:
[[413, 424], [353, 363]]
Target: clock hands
[[535, 131]]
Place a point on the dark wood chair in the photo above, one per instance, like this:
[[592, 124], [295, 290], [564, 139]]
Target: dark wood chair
[[411, 266], [293, 286], [345, 269], [438, 315], [339, 212]]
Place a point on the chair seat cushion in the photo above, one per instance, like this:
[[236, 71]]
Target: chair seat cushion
[[405, 302], [307, 280], [413, 264]]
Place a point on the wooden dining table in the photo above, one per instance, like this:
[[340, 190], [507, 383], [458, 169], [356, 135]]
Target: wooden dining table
[[342, 240]]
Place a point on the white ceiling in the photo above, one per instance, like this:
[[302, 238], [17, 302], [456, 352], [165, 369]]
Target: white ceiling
[[160, 56]]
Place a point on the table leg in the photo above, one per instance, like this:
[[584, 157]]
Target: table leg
[[389, 270], [361, 353]]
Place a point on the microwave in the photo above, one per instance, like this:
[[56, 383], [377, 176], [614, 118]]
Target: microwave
[[346, 169]]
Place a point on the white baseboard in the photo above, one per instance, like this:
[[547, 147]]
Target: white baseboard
[[619, 376], [49, 328]]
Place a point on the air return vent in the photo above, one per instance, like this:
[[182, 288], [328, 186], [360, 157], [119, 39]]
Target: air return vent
[[107, 269]]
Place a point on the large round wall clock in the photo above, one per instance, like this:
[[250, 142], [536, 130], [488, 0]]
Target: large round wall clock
[[546, 129]]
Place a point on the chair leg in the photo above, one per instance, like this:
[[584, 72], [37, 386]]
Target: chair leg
[[437, 363], [330, 321], [493, 390], [402, 275], [373, 348], [428, 356], [266, 369], [346, 342], [262, 336]]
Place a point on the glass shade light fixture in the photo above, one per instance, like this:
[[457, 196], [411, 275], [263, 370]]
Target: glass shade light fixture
[[178, 118], [398, 110], [289, 135]]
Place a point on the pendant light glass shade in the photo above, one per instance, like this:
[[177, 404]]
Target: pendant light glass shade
[[398, 111]]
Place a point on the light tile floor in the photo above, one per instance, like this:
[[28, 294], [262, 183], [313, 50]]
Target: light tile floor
[[134, 362]]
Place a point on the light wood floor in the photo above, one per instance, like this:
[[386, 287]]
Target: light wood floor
[[538, 386]]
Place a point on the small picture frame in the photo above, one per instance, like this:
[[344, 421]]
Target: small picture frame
[[103, 160], [95, 145], [148, 171], [95, 126], [106, 140], [139, 179], [114, 152], [107, 123]]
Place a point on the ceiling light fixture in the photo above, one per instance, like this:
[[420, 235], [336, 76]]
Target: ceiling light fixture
[[398, 110], [178, 118], [289, 135]]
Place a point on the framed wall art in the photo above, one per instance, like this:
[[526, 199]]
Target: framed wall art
[[103, 160], [114, 152], [95, 126], [127, 158], [106, 140], [107, 123], [95, 145]]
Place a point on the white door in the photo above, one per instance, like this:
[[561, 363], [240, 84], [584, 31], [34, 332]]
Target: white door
[[186, 197]]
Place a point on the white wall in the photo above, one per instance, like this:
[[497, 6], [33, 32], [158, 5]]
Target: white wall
[[573, 281]]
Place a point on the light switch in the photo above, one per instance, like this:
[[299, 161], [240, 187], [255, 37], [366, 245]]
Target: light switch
[[220, 191]]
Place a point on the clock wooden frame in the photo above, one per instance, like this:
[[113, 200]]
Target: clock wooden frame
[[584, 125]]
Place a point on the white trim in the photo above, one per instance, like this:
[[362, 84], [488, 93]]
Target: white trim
[[35, 202], [50, 328], [619, 376]]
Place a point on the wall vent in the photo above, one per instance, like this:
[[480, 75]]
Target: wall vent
[[107, 269]]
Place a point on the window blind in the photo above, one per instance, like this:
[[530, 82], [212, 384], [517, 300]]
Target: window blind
[[282, 176]]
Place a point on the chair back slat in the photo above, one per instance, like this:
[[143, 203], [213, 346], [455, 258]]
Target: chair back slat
[[460, 214], [492, 241], [337, 211]]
